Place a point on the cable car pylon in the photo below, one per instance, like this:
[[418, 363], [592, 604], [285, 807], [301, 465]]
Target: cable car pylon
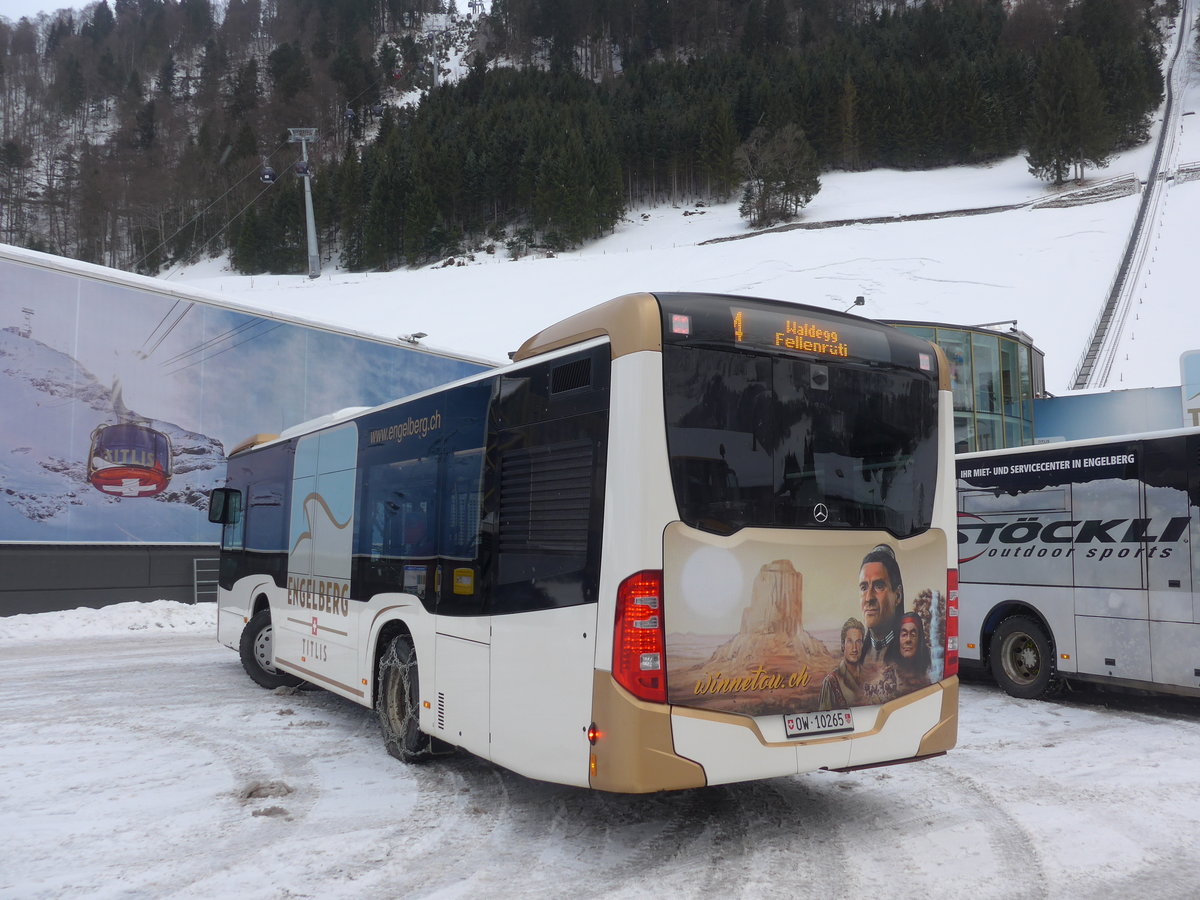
[[302, 136]]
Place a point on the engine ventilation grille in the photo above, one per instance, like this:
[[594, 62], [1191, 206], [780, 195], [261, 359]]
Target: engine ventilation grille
[[571, 376], [545, 498]]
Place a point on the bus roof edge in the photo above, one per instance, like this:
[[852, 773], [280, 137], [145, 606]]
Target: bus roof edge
[[253, 441], [643, 333]]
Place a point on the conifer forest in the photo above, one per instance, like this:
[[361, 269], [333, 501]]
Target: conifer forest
[[148, 134]]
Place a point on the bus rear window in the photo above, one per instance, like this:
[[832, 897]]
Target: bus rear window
[[762, 440]]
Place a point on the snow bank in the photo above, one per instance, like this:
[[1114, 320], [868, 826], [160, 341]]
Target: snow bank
[[118, 619]]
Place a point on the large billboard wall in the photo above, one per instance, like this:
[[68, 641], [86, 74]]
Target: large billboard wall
[[119, 400], [1079, 416]]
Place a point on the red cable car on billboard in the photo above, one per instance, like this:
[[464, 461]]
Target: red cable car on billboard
[[129, 460]]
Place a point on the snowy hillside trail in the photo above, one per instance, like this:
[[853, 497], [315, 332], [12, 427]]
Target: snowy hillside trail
[[148, 765]]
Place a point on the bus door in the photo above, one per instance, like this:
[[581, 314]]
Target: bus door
[[313, 632], [1111, 622], [463, 653], [1174, 632]]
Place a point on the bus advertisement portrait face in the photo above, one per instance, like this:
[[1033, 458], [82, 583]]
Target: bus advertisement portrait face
[[909, 636], [881, 591], [852, 644]]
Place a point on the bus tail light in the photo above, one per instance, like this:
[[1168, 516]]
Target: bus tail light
[[951, 623], [639, 653]]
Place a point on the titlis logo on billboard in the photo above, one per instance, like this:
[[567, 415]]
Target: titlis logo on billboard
[[1099, 539]]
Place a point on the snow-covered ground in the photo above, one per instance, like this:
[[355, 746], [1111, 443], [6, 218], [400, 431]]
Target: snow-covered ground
[[138, 760], [1049, 268]]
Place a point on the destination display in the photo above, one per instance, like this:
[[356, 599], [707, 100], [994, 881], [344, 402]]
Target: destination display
[[801, 333], [791, 329]]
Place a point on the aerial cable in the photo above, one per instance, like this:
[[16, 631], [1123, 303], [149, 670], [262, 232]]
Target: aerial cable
[[211, 342], [378, 84], [196, 217], [154, 330], [218, 232], [187, 309], [226, 349]]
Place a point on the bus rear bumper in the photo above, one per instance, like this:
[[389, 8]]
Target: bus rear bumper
[[641, 747], [739, 748]]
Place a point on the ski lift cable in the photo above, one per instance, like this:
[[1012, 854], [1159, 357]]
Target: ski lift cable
[[378, 84], [254, 172], [202, 212], [211, 342], [196, 253], [187, 309], [154, 330], [226, 349], [217, 233], [199, 348]]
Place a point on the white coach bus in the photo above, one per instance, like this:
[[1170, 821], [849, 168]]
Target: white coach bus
[[682, 540], [1079, 560]]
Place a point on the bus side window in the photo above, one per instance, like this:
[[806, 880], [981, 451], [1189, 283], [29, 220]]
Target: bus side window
[[398, 539], [462, 586], [417, 507], [229, 511], [264, 524], [461, 490]]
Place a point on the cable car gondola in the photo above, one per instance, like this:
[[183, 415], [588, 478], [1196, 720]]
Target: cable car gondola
[[129, 460], [267, 175]]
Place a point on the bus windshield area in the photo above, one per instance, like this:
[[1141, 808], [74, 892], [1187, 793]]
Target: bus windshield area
[[763, 440]]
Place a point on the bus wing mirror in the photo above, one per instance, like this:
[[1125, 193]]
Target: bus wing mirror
[[224, 506]]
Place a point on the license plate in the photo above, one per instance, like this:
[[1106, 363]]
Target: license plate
[[826, 721]]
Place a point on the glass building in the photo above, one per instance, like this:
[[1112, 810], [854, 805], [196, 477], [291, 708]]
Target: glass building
[[995, 372]]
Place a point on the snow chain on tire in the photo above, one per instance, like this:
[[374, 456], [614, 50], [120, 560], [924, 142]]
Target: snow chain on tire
[[397, 703]]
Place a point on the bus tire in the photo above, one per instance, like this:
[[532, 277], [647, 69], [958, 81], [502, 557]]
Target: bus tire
[[398, 703], [1022, 659], [255, 651]]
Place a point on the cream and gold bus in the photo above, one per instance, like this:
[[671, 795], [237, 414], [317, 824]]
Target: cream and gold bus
[[682, 540]]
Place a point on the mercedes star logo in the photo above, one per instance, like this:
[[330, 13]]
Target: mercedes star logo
[[820, 512]]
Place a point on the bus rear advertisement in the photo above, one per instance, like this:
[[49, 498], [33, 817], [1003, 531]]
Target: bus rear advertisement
[[682, 540]]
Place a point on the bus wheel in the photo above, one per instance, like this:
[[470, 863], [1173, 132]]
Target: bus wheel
[[1022, 659], [255, 650], [399, 702]]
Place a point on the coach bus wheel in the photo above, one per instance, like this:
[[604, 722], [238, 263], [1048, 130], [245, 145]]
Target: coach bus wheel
[[255, 650], [1022, 659], [398, 703]]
